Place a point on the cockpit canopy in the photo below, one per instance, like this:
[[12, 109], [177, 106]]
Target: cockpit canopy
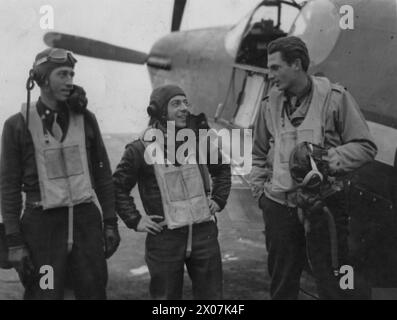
[[247, 41], [316, 22]]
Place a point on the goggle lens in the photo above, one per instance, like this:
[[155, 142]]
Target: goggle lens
[[57, 56]]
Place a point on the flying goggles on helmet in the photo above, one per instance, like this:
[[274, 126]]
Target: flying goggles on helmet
[[58, 56], [45, 62]]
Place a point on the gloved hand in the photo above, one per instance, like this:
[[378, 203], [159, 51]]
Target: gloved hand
[[77, 101], [112, 239], [20, 259], [334, 161]]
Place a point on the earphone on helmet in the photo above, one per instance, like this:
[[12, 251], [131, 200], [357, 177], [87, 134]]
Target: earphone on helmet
[[56, 56], [159, 100], [154, 111], [38, 77]]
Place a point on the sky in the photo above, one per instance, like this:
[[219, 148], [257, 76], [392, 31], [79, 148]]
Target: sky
[[117, 92]]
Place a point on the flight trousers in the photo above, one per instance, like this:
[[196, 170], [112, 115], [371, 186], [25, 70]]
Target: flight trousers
[[290, 248], [165, 256], [84, 269]]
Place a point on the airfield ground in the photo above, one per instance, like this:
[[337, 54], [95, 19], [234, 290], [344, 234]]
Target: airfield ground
[[241, 240]]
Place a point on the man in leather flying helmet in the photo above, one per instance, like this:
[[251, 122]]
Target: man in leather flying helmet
[[179, 201], [53, 153]]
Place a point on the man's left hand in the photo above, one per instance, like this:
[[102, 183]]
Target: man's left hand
[[214, 207], [334, 161], [112, 239]]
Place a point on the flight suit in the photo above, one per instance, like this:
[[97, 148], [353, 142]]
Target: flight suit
[[57, 180], [325, 116], [190, 235]]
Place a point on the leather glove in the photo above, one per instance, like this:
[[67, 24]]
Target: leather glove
[[77, 101], [112, 239], [20, 259]]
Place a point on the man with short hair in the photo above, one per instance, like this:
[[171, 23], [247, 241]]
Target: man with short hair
[[53, 153], [178, 199], [304, 109]]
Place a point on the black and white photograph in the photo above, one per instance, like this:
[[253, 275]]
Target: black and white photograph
[[226, 150]]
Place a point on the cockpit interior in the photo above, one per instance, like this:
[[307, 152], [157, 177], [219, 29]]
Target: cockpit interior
[[268, 21]]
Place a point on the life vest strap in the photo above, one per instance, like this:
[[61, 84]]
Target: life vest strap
[[189, 241], [70, 228]]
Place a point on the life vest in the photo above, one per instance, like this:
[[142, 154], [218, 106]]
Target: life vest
[[286, 136], [62, 167], [181, 187]]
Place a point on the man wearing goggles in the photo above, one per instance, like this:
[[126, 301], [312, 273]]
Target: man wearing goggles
[[53, 152], [300, 109], [56, 55]]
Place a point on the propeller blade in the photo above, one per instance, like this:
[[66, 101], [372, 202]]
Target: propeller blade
[[179, 7], [93, 48]]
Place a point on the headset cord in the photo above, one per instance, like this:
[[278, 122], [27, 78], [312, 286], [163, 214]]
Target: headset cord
[[29, 87], [333, 240]]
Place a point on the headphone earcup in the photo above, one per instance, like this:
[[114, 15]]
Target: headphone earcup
[[39, 79], [153, 111]]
